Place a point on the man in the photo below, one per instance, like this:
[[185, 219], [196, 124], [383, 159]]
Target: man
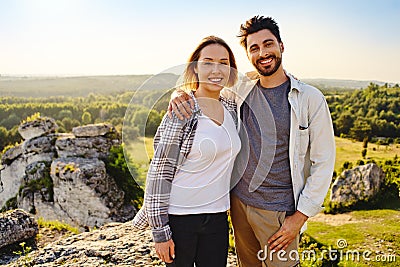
[[285, 167]]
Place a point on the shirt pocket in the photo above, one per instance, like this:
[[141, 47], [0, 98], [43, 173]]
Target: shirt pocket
[[304, 141]]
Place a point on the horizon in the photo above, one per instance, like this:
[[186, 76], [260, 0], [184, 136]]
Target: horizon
[[149, 74], [72, 38]]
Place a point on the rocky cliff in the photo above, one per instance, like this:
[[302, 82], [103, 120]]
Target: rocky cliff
[[63, 176]]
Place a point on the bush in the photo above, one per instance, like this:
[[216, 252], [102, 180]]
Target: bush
[[10, 204], [388, 196], [117, 167], [364, 152], [57, 225]]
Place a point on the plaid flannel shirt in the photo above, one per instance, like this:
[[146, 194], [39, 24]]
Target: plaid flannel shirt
[[172, 144]]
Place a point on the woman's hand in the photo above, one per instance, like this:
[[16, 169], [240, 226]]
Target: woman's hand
[[166, 251], [181, 103]]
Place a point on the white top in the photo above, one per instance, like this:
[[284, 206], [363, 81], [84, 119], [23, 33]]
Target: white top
[[202, 184]]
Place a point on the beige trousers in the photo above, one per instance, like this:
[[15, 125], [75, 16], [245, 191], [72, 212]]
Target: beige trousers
[[252, 229]]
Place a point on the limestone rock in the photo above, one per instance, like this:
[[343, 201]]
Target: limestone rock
[[16, 226], [37, 184], [11, 154], [358, 184], [12, 177], [86, 192], [115, 244], [92, 130], [39, 145], [89, 147], [82, 193], [38, 127]]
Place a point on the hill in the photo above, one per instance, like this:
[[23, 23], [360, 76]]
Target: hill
[[341, 85], [84, 85]]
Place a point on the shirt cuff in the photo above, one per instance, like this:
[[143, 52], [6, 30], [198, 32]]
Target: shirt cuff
[[308, 207], [162, 234]]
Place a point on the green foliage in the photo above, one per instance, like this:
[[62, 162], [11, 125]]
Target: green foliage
[[10, 120], [3, 137], [387, 197], [67, 124], [70, 112], [346, 166], [10, 204], [372, 230], [23, 253], [33, 117], [117, 167], [57, 225], [365, 142], [65, 113], [38, 185], [373, 111], [87, 118], [147, 121], [309, 244], [364, 153]]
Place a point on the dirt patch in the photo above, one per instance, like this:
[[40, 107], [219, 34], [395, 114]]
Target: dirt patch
[[334, 220]]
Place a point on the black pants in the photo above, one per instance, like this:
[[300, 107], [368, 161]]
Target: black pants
[[202, 239]]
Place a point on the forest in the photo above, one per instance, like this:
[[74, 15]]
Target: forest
[[371, 113]]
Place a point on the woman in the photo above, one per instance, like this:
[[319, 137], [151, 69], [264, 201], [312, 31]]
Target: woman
[[188, 182]]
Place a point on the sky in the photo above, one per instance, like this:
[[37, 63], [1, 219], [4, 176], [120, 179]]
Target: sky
[[357, 39]]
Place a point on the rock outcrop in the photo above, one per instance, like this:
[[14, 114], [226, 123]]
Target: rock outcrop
[[115, 244], [37, 127], [63, 176], [359, 184], [16, 226]]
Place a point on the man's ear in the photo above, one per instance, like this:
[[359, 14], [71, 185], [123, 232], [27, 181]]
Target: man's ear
[[247, 53], [282, 47]]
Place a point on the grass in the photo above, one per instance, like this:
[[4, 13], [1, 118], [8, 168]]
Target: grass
[[140, 152], [57, 225], [349, 150], [377, 231]]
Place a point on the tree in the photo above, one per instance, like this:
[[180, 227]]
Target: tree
[[344, 123], [117, 167], [11, 121], [360, 130], [365, 142], [3, 138], [69, 124], [86, 118], [364, 152], [152, 123], [139, 120], [65, 113]]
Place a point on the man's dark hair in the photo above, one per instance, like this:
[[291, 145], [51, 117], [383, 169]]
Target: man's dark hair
[[255, 24]]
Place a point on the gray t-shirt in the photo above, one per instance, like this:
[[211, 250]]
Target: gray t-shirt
[[265, 176]]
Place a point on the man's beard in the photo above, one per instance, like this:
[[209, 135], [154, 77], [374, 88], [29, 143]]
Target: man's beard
[[268, 72]]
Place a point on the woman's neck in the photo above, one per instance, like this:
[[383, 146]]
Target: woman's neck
[[204, 93]]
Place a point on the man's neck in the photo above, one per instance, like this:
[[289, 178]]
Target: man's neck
[[274, 80]]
